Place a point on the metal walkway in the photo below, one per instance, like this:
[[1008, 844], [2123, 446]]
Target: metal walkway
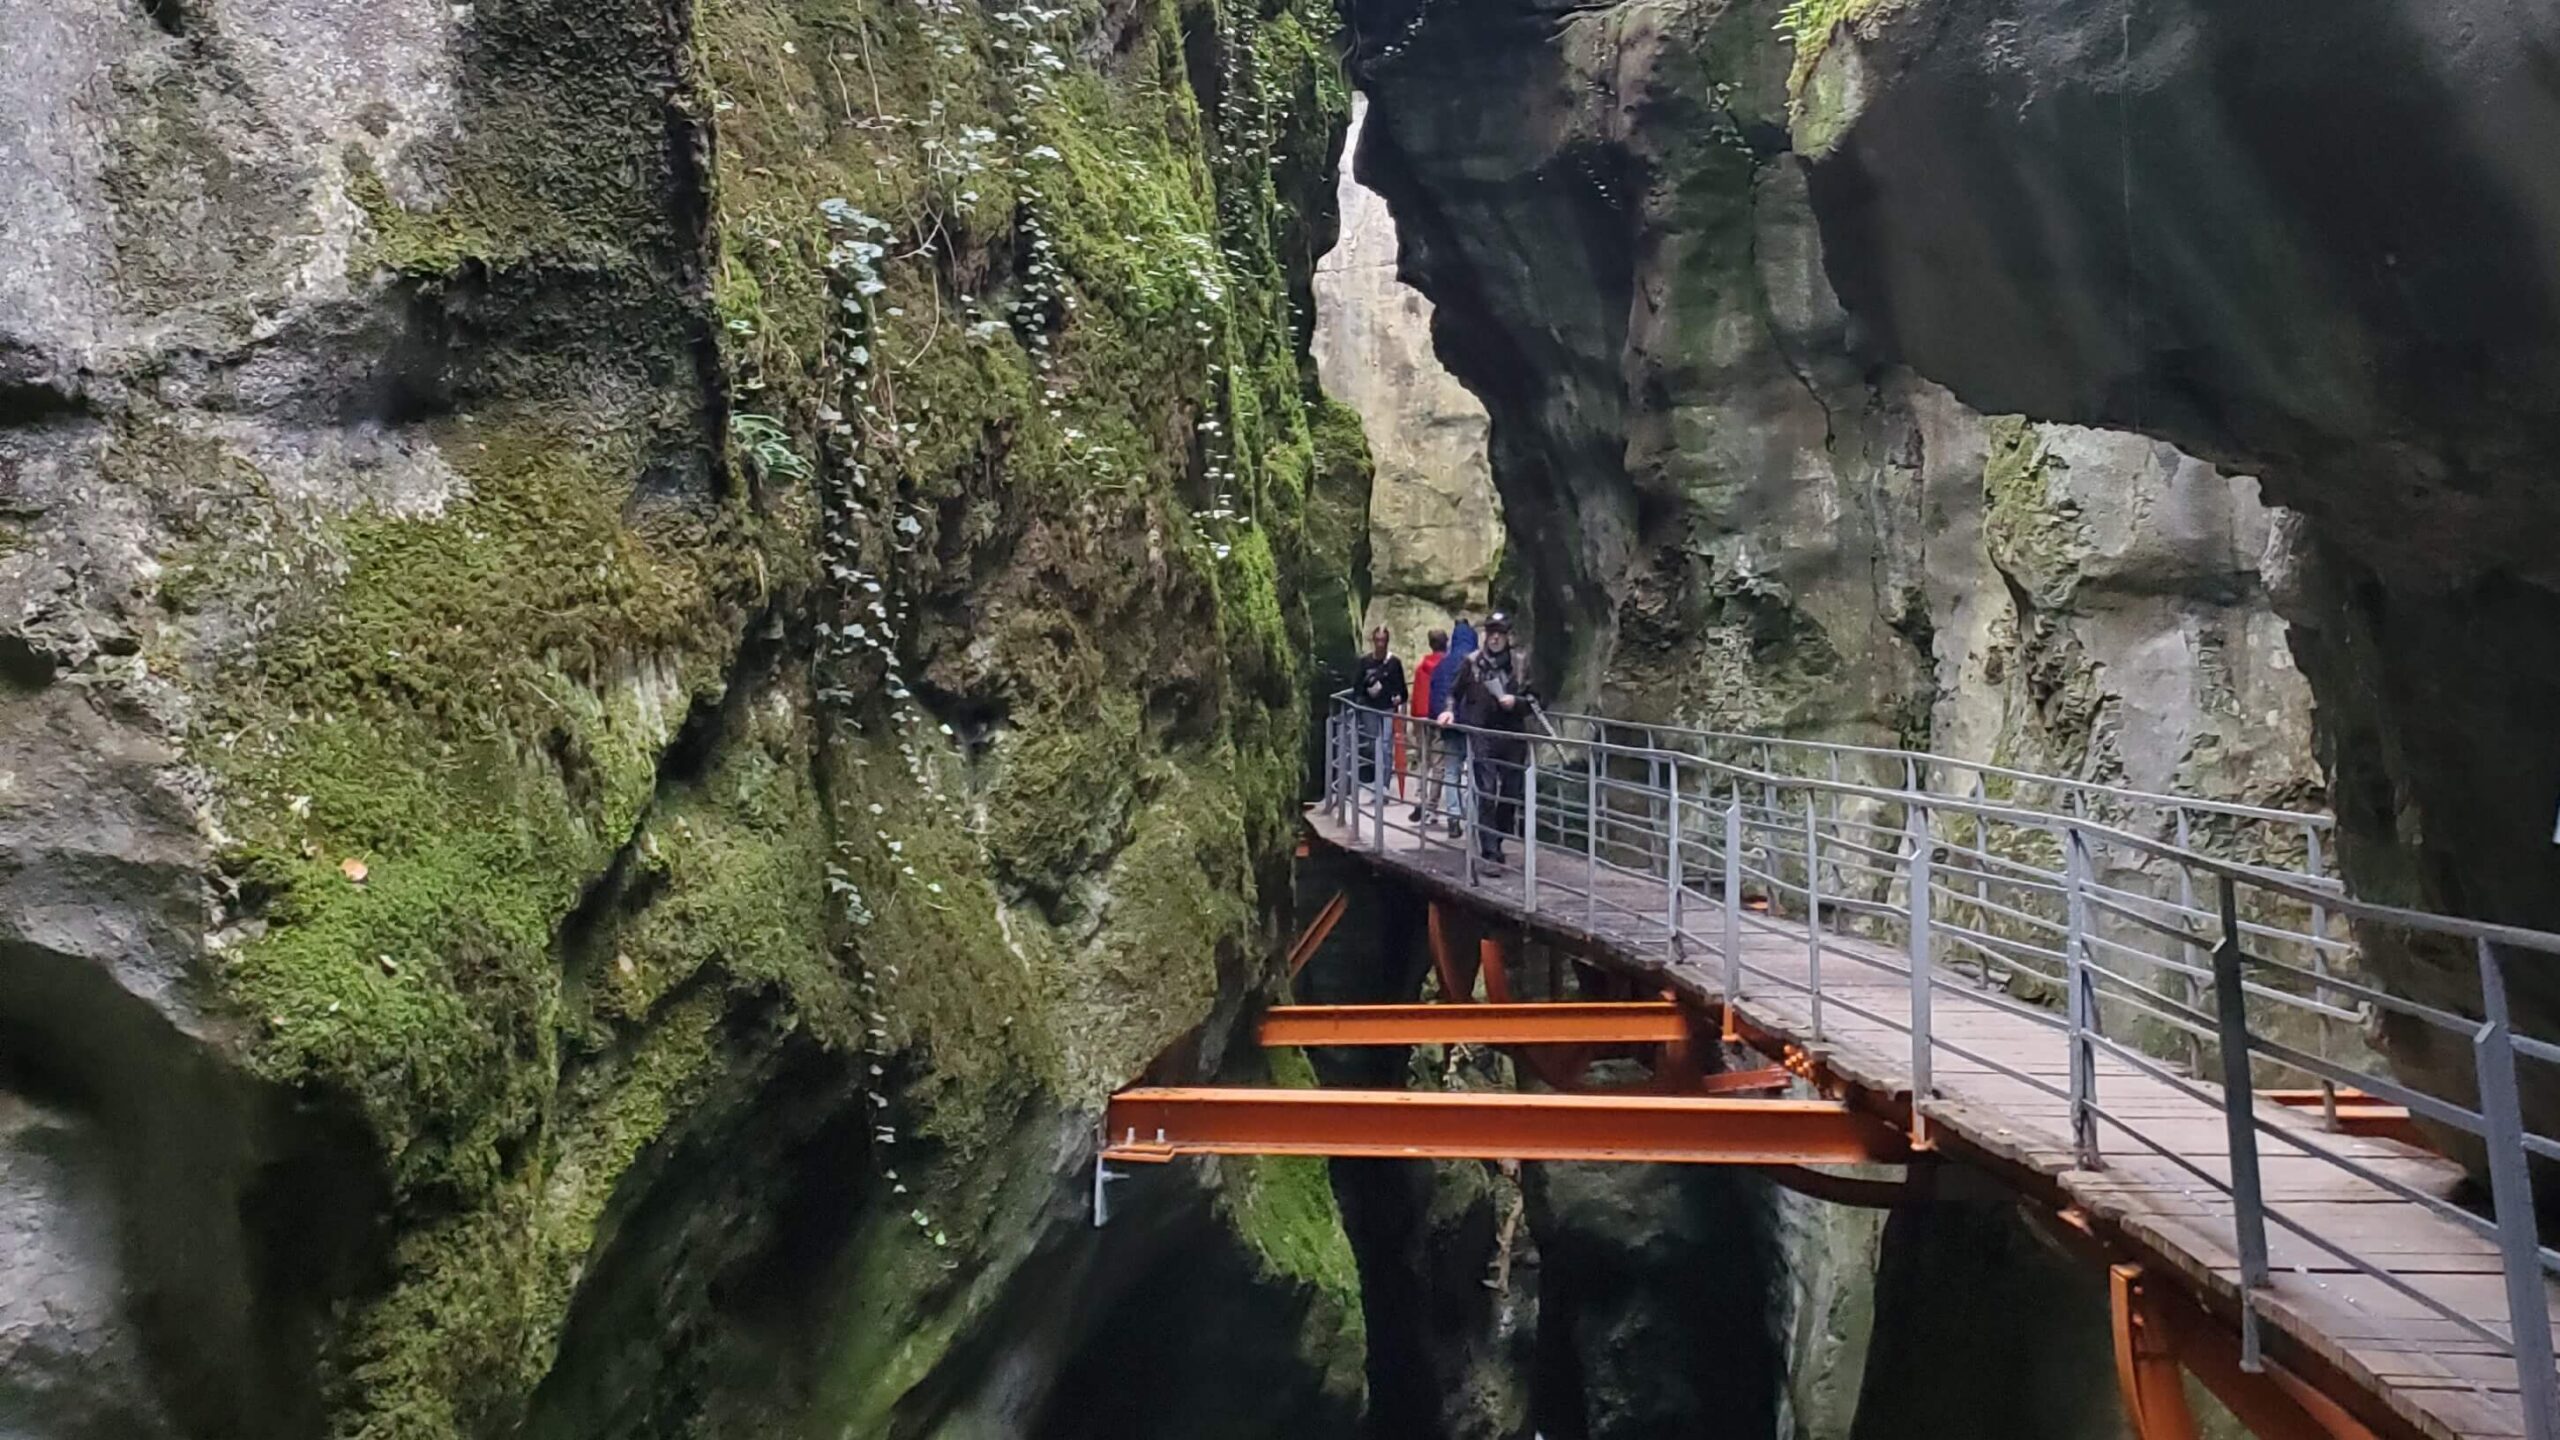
[[2056, 1008]]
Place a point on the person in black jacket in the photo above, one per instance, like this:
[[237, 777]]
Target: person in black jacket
[[1492, 698], [1379, 688]]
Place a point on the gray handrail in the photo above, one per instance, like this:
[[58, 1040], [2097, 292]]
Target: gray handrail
[[1701, 827]]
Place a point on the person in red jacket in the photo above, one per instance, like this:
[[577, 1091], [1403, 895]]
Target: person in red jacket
[[1426, 729]]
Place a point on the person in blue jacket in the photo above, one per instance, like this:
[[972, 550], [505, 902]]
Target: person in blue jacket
[[1453, 744]]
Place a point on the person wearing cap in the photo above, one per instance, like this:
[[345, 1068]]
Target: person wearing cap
[[1380, 693], [1492, 700]]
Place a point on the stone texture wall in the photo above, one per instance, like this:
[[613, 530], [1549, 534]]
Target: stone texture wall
[[1730, 512], [1729, 516], [1435, 522], [641, 646], [2340, 276]]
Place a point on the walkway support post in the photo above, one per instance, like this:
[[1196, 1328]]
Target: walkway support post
[[2187, 950], [2240, 1122], [2080, 1007], [1333, 763], [1529, 829], [1813, 909], [1677, 870], [1732, 902], [1923, 974], [2511, 1192], [1982, 872], [2320, 967], [1351, 773], [1378, 764], [1591, 830]]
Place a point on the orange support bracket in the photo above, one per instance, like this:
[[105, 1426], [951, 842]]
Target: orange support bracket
[[1457, 981], [2159, 1330], [1160, 1124], [1645, 1022], [1735, 1082], [2359, 1115], [2147, 1370], [1493, 957], [1312, 939]]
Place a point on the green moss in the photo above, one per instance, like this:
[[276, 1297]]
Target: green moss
[[1284, 1207], [1810, 24], [472, 715], [1067, 438], [1176, 915], [1063, 794], [2033, 536]]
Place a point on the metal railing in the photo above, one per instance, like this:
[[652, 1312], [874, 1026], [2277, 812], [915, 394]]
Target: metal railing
[[2073, 906]]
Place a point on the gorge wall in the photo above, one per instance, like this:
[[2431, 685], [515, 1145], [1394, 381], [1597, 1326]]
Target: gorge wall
[[1728, 512], [1435, 520], [644, 646], [2321, 253], [1730, 509]]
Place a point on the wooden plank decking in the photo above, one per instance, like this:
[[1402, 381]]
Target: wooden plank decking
[[2436, 1378]]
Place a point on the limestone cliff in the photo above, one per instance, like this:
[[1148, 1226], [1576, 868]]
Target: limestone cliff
[[1731, 512], [2321, 252], [644, 644], [1435, 521]]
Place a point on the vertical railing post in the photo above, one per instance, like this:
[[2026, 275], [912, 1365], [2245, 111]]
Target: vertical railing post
[[2511, 1193], [1379, 760], [1677, 871], [1351, 771], [1813, 908], [1733, 900], [1923, 973], [1591, 832], [1652, 794], [2320, 967], [1529, 828], [1332, 761], [1982, 868], [1332, 757], [2080, 1001], [2187, 949], [2240, 1121]]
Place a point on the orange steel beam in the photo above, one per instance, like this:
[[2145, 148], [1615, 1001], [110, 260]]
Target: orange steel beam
[[1640, 1022], [1311, 939], [2359, 1115], [2158, 1329], [1159, 1124], [1734, 1082]]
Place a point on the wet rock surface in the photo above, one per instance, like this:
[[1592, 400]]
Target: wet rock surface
[[2320, 255], [625, 687], [1435, 521]]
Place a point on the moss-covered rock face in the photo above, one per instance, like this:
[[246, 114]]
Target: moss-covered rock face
[[648, 646]]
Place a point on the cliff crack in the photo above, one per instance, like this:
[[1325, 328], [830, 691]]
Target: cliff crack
[[1767, 314]]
